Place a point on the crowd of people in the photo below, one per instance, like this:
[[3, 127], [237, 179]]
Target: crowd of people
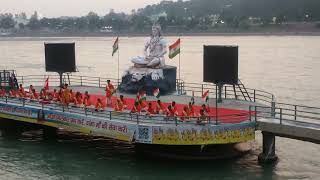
[[66, 97]]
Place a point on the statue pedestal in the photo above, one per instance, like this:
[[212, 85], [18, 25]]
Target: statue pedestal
[[136, 79]]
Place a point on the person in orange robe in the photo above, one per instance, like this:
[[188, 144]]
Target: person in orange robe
[[66, 95], [22, 93], [13, 93], [119, 106], [30, 90], [78, 99], [34, 95], [99, 105], [109, 92], [191, 110], [2, 92], [43, 94], [174, 107], [55, 95], [171, 112], [205, 109], [202, 117], [124, 102], [160, 108], [72, 96], [136, 108], [87, 101], [151, 110], [185, 113]]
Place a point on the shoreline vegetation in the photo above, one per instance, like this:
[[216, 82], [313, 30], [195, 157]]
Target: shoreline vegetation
[[177, 18], [90, 34]]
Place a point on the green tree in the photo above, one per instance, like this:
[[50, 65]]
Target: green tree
[[7, 21], [34, 21]]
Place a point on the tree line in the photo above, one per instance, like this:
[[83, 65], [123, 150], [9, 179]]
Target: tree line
[[176, 16]]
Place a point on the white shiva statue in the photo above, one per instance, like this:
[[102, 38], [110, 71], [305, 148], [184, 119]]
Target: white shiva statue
[[154, 51]]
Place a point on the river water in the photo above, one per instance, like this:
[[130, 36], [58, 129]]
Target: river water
[[287, 66]]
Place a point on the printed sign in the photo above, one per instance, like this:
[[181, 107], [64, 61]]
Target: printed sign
[[197, 135], [144, 134], [91, 125]]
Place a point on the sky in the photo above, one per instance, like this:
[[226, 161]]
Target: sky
[[57, 8]]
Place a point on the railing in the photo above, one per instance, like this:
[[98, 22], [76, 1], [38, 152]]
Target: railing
[[183, 88], [288, 112], [130, 117]]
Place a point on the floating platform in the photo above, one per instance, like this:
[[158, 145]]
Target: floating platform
[[230, 123]]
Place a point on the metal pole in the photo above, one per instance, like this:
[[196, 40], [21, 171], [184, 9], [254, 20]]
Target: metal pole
[[295, 112], [254, 95], [80, 80], [255, 113], [179, 61], [118, 64], [280, 115], [250, 113], [225, 92], [216, 104]]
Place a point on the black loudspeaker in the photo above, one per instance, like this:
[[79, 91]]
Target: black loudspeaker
[[60, 57], [220, 64]]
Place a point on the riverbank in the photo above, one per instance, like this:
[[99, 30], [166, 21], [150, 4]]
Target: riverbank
[[314, 33]]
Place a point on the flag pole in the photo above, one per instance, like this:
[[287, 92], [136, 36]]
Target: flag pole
[[118, 64], [179, 60]]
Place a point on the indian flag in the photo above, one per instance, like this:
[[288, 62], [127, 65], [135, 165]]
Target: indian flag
[[156, 92], [141, 96], [205, 96], [115, 46], [174, 49]]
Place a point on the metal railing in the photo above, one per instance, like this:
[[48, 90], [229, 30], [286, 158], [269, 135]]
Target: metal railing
[[233, 118], [183, 88], [287, 112]]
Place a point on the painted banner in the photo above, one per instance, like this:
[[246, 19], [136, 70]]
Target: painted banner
[[18, 111], [92, 125], [198, 135]]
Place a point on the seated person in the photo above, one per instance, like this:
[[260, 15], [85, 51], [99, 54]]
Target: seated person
[[124, 103], [205, 109], [55, 95], [143, 105], [30, 90], [72, 96], [99, 105], [185, 113], [171, 112], [160, 108], [77, 100], [22, 93], [2, 92], [87, 101], [43, 94], [151, 110], [173, 105], [59, 96], [202, 117], [119, 106], [13, 93], [34, 95], [136, 108], [191, 110], [50, 96]]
